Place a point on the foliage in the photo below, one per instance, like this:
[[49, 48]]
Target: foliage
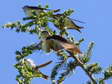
[[36, 24]]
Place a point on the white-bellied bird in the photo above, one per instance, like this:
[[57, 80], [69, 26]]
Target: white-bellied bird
[[65, 22], [56, 43]]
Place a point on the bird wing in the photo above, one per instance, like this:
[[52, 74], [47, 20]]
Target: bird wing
[[61, 43], [57, 37], [69, 24], [71, 47]]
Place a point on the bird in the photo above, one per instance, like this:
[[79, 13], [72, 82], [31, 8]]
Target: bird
[[37, 10], [57, 43], [45, 45], [65, 22], [61, 43], [30, 9]]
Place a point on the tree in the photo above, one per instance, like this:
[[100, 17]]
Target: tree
[[58, 41]]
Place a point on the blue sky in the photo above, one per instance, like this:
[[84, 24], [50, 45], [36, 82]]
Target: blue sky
[[96, 14]]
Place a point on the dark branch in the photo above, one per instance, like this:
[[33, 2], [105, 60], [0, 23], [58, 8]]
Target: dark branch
[[43, 65], [82, 66]]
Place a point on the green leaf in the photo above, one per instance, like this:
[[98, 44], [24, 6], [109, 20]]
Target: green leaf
[[108, 73], [94, 68]]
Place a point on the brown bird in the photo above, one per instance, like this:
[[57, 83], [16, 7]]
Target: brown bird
[[56, 43], [61, 43], [65, 22]]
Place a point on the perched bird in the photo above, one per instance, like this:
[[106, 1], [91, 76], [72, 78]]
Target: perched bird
[[62, 43], [66, 23], [45, 45], [37, 10], [56, 43], [30, 9], [63, 22]]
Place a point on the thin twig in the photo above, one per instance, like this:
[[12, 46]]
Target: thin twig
[[82, 66], [43, 65]]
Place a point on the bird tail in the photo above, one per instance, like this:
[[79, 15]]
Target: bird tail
[[75, 51], [45, 77], [72, 48]]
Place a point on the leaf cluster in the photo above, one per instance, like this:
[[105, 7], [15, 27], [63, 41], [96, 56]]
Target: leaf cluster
[[37, 23]]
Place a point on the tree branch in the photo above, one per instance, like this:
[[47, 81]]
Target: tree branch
[[43, 65], [82, 66]]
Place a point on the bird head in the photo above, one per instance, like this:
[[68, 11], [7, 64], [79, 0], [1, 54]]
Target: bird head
[[44, 34]]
